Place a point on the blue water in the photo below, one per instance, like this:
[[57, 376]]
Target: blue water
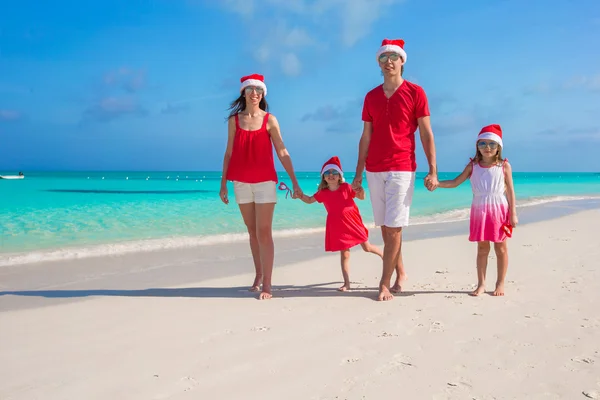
[[77, 209]]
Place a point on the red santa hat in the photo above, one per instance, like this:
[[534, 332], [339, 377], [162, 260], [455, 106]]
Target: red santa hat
[[333, 163], [253, 80], [491, 132], [392, 46]]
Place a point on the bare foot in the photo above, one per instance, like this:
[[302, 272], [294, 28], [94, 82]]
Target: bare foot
[[397, 288], [499, 290], [344, 288], [384, 294], [265, 295], [480, 290], [256, 285]]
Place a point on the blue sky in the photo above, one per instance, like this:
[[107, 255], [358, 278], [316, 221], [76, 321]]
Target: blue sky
[[145, 85]]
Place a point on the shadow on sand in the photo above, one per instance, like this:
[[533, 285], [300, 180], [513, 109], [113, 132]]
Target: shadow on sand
[[315, 290]]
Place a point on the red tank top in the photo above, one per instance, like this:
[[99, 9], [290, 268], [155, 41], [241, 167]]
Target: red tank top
[[252, 155]]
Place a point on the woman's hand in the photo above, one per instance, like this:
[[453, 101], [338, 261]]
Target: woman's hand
[[223, 194]]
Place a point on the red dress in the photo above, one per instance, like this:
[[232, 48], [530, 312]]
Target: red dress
[[344, 228]]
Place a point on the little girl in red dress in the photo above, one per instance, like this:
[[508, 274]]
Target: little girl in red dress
[[344, 228]]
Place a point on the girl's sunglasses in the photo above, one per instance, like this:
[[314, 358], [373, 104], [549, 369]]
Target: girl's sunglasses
[[250, 89], [491, 145], [385, 57], [331, 172]]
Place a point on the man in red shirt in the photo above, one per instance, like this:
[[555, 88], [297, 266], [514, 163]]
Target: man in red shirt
[[392, 112]]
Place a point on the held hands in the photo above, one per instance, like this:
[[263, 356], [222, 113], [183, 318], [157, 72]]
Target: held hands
[[223, 194], [431, 182], [297, 192], [357, 183]]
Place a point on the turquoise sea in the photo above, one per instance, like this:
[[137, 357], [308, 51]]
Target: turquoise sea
[[54, 215]]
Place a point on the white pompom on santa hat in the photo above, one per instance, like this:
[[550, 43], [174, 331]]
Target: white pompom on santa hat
[[333, 163], [392, 46], [491, 132], [253, 80]]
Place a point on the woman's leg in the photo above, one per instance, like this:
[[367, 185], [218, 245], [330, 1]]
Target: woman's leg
[[483, 251], [249, 216], [345, 261], [264, 233], [501, 250]]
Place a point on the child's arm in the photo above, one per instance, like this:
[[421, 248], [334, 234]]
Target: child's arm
[[307, 199], [449, 184], [510, 194]]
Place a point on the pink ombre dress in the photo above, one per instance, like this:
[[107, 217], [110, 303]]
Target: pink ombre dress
[[489, 210]]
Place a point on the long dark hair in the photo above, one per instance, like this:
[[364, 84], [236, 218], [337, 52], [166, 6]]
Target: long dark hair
[[239, 105]]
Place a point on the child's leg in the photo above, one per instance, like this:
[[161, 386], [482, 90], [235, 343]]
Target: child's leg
[[483, 251], [371, 248], [345, 259], [501, 250]]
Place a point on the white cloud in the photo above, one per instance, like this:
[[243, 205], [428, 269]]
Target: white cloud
[[290, 64], [351, 20]]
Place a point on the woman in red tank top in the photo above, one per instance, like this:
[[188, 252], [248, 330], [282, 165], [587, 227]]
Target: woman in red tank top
[[249, 164]]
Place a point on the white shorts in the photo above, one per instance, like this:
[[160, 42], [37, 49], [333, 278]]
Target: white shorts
[[391, 197], [262, 192]]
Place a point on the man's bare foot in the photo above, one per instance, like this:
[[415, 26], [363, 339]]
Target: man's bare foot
[[480, 290], [384, 294], [254, 288], [264, 295], [499, 290], [397, 288], [344, 288]]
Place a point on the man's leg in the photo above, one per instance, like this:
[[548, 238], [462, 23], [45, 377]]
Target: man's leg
[[391, 252], [399, 189]]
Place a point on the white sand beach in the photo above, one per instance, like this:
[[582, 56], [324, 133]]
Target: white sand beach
[[213, 340]]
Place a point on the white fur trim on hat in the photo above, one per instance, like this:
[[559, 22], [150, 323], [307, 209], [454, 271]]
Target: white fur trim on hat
[[490, 136], [332, 166], [391, 48], [254, 82]]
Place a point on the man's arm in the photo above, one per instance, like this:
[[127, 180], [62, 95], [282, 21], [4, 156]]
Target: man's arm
[[428, 142], [363, 149]]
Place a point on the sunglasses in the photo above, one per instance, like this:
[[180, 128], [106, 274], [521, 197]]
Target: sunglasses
[[491, 145], [251, 89], [385, 57], [331, 172]]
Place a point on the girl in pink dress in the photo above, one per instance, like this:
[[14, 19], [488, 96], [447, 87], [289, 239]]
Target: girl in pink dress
[[344, 228], [493, 211]]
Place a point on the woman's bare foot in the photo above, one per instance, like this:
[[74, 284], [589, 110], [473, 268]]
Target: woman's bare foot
[[256, 285], [344, 288], [499, 290], [265, 295], [384, 294], [480, 290]]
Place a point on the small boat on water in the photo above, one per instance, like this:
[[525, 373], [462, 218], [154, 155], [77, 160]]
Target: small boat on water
[[20, 176]]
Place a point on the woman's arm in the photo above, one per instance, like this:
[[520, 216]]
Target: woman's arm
[[226, 158], [282, 153], [449, 184], [510, 194]]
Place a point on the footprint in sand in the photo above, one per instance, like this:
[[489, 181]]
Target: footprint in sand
[[261, 329], [350, 360], [583, 360], [189, 383], [436, 326]]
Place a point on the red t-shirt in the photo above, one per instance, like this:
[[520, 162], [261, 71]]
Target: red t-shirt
[[395, 121]]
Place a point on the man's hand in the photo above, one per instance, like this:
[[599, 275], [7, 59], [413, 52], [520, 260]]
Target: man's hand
[[357, 183], [431, 182]]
